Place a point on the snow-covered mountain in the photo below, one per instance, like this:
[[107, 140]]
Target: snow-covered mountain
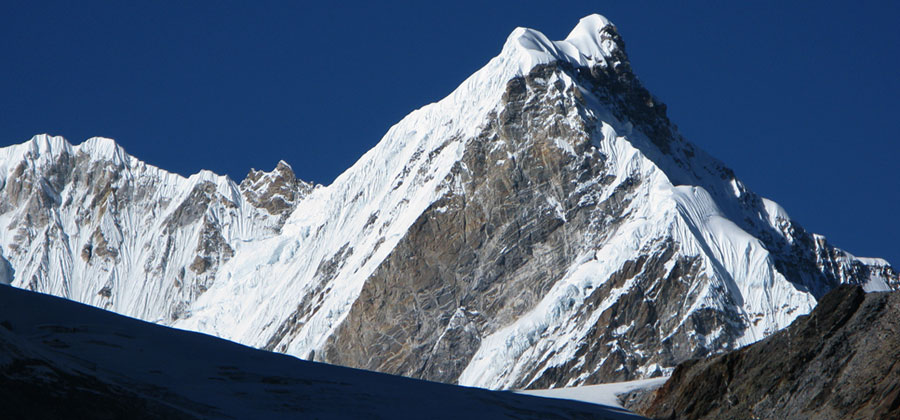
[[543, 225], [93, 224]]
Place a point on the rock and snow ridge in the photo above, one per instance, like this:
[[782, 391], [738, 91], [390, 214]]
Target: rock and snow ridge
[[544, 225], [93, 224]]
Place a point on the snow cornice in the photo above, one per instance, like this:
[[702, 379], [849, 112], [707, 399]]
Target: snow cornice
[[593, 41]]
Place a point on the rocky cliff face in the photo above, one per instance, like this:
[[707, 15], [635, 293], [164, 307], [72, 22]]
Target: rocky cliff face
[[544, 225], [838, 362]]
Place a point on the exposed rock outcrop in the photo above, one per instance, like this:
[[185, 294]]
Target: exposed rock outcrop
[[277, 192], [840, 362]]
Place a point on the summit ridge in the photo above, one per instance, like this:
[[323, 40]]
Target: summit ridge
[[593, 41]]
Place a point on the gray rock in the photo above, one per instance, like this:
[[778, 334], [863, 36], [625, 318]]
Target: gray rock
[[839, 362]]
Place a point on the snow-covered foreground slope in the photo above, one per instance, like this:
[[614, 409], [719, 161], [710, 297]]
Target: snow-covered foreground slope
[[69, 360], [542, 226], [603, 394]]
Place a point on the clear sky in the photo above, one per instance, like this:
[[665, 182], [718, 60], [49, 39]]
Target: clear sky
[[801, 100]]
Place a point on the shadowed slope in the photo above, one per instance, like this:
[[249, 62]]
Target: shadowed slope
[[839, 362], [60, 359]]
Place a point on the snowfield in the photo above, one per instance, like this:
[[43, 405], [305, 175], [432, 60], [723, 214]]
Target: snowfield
[[603, 394]]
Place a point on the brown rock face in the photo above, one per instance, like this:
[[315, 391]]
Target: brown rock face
[[840, 362], [479, 257], [277, 192]]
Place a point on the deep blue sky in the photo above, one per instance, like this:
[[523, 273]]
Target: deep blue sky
[[800, 100]]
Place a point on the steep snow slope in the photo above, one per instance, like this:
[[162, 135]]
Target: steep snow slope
[[544, 225], [93, 224]]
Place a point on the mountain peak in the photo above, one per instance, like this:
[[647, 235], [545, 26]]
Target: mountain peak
[[46, 144], [101, 143], [276, 191], [594, 37], [283, 165], [593, 41], [104, 148]]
